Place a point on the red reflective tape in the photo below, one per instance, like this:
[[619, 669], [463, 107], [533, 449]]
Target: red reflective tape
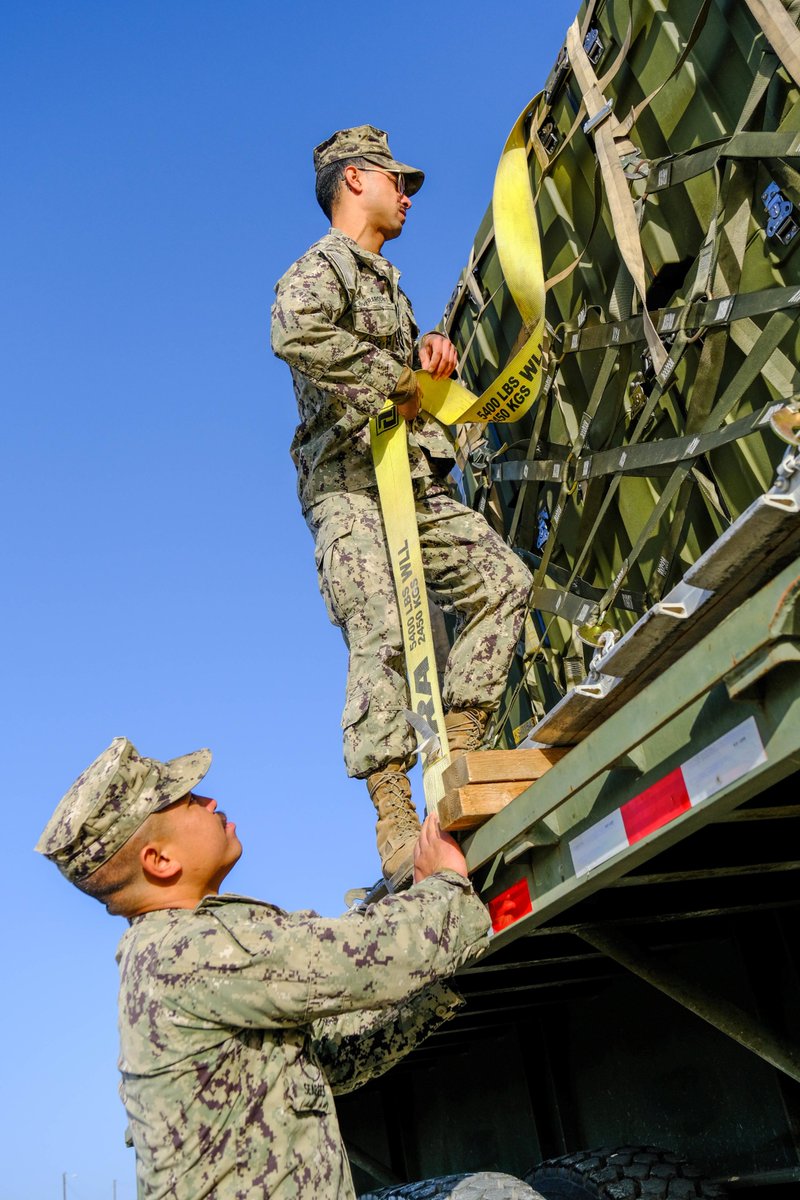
[[510, 905], [656, 806]]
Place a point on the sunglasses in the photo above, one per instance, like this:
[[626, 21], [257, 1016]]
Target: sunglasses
[[399, 181]]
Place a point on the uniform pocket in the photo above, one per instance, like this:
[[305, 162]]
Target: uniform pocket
[[374, 317], [306, 1089], [356, 705], [329, 572]]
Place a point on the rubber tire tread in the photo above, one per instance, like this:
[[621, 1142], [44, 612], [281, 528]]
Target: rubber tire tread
[[481, 1185], [622, 1173]]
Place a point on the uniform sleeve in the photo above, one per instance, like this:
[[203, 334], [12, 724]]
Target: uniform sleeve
[[309, 301], [250, 966], [356, 1047]]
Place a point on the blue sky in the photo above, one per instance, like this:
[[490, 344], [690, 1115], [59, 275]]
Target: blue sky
[[159, 580]]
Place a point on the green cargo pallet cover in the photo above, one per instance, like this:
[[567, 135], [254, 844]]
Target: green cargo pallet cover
[[644, 445]]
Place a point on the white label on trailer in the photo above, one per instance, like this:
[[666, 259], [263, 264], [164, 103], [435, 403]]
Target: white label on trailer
[[600, 842], [725, 760]]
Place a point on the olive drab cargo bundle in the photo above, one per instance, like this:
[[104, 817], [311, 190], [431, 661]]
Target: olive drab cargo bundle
[[663, 165]]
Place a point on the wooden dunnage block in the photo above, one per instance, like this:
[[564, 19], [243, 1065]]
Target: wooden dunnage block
[[478, 784]]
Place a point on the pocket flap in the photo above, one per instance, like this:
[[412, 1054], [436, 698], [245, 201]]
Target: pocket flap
[[355, 706]]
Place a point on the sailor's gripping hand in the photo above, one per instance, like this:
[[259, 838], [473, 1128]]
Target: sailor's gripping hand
[[436, 851], [437, 355]]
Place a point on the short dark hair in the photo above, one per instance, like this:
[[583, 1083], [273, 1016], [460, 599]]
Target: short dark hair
[[329, 182], [113, 877]]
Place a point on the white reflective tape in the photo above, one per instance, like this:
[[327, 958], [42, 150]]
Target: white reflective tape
[[667, 369], [724, 761], [602, 841], [723, 308]]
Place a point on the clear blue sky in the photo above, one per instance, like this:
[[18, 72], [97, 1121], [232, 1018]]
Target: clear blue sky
[[158, 575]]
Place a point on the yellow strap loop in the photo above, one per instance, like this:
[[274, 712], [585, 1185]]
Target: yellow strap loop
[[509, 397]]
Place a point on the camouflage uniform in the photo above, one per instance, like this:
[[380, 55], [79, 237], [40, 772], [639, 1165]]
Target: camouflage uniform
[[347, 331], [238, 1022]]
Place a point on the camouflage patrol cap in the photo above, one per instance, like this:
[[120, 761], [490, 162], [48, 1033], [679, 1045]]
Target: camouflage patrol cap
[[365, 141], [110, 800]]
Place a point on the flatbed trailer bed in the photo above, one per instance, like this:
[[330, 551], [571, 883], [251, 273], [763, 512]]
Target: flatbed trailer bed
[[643, 984]]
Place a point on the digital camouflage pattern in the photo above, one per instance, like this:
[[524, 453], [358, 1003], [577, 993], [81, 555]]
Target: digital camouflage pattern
[[347, 331], [239, 1022], [468, 569], [365, 141], [110, 800]]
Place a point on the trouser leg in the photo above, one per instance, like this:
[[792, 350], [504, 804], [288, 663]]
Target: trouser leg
[[356, 583], [470, 569]]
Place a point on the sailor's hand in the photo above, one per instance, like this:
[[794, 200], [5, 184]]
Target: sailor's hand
[[436, 851], [409, 408], [437, 355]]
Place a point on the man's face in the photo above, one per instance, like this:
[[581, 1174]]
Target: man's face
[[383, 202], [204, 839]]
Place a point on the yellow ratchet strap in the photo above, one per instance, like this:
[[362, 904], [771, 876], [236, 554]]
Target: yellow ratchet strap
[[508, 398]]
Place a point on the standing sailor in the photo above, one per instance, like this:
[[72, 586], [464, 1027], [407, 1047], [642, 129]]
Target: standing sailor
[[347, 331]]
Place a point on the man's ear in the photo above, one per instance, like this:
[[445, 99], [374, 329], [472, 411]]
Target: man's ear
[[158, 865], [352, 179]]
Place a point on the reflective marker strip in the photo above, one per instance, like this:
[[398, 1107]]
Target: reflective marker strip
[[656, 806], [510, 905], [723, 762]]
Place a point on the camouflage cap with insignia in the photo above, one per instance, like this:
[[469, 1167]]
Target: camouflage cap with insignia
[[110, 800], [365, 141]]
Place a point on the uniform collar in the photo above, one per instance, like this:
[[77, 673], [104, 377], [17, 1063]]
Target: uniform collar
[[376, 261]]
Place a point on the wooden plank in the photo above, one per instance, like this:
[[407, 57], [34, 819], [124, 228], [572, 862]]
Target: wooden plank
[[469, 806], [501, 766]]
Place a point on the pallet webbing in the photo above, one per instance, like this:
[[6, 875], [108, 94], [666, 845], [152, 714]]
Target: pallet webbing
[[780, 31]]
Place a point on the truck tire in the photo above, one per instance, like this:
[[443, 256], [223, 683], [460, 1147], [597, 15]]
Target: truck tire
[[627, 1173], [480, 1185]]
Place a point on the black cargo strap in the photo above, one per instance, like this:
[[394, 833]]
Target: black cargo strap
[[642, 458], [575, 593], [705, 314], [667, 172]]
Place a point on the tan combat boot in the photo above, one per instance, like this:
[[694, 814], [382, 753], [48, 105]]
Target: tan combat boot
[[398, 824], [465, 729]]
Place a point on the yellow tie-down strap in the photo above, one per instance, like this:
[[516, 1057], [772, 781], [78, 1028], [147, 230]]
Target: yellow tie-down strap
[[508, 398]]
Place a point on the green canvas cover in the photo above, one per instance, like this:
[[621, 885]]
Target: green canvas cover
[[637, 458]]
